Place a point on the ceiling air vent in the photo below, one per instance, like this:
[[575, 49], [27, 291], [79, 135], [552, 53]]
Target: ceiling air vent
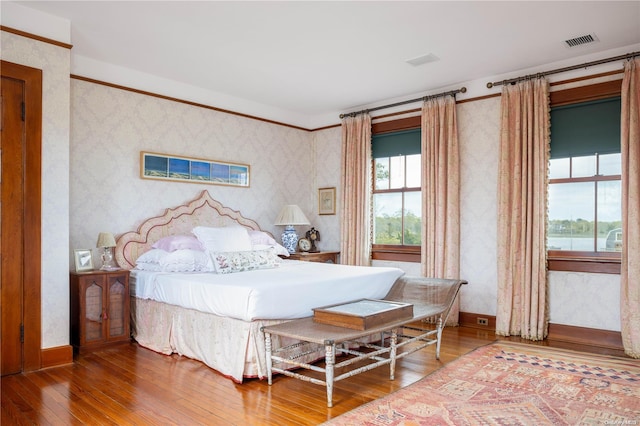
[[579, 41]]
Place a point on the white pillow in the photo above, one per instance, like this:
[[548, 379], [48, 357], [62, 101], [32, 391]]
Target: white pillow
[[240, 261], [230, 238], [279, 250], [153, 256], [260, 237], [185, 260], [151, 267], [260, 240]]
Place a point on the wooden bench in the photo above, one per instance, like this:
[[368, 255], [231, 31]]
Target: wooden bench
[[432, 300]]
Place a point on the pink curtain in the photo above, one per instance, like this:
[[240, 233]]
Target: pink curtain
[[440, 254], [522, 204], [630, 268], [355, 215]]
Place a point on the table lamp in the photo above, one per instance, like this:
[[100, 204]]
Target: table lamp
[[289, 216], [106, 242]]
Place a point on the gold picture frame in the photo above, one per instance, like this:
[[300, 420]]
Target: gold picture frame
[[327, 201], [83, 260]]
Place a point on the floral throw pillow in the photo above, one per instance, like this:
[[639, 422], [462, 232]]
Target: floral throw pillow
[[240, 261]]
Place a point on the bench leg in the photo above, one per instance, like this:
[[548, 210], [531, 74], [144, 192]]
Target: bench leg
[[439, 337], [267, 346], [330, 360], [392, 353]]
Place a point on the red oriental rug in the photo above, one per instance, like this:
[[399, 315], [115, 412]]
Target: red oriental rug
[[514, 384]]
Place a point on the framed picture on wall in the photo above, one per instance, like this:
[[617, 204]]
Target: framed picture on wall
[[154, 165], [327, 200], [83, 260]]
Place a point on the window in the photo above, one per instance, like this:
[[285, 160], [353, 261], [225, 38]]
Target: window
[[397, 201], [585, 207]]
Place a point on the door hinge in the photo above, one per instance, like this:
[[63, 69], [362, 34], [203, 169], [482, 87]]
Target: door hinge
[[23, 108], [21, 333]]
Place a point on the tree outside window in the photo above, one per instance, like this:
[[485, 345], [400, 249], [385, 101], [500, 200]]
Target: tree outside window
[[397, 203]]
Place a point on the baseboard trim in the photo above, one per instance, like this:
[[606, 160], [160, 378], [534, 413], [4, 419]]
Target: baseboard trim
[[52, 357], [557, 332], [586, 336], [469, 319]]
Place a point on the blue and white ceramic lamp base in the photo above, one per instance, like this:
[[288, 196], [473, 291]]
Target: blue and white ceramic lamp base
[[290, 238]]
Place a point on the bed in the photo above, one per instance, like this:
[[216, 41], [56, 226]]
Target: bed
[[214, 314]]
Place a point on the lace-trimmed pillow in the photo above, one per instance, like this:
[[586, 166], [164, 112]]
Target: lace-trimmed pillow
[[150, 261], [240, 261], [185, 260]]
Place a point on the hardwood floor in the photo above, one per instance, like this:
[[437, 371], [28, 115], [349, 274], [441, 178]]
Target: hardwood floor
[[130, 385]]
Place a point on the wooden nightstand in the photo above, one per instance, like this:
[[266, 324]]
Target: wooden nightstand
[[99, 308], [321, 256]]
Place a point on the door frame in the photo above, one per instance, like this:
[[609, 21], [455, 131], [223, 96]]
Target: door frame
[[32, 233]]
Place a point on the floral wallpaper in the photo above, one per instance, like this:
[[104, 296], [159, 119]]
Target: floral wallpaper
[[327, 145], [109, 128], [479, 138]]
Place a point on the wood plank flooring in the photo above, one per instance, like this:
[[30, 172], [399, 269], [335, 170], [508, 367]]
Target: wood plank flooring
[[131, 385]]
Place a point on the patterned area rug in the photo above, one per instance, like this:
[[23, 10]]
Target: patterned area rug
[[514, 384]]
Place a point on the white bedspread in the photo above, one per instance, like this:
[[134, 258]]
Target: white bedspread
[[290, 291]]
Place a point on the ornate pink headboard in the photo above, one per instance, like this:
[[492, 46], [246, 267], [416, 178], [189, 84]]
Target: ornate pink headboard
[[203, 211]]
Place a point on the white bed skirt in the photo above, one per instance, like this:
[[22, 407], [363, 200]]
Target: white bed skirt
[[233, 347]]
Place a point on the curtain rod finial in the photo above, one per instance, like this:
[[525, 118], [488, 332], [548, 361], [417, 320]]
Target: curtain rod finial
[[489, 85], [463, 90]]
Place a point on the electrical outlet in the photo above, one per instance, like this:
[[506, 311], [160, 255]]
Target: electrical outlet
[[483, 321]]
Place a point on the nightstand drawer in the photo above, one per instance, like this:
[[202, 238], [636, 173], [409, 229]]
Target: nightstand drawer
[[321, 256]]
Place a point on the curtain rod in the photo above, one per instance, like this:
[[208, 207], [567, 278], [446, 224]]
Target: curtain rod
[[559, 70], [424, 98]]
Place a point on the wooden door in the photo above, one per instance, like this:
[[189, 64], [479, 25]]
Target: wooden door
[[20, 217], [12, 139]]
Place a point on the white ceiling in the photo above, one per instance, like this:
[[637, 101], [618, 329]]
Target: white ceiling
[[314, 60]]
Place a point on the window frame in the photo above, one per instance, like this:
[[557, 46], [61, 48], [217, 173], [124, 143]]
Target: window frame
[[557, 260], [393, 252], [580, 261]]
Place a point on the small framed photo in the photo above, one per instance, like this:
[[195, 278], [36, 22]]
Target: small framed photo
[[327, 200], [83, 259]]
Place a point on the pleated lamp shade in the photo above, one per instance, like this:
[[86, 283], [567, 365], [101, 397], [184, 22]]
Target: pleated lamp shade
[[291, 215]]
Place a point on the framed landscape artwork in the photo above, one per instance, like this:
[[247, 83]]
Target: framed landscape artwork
[[196, 170]]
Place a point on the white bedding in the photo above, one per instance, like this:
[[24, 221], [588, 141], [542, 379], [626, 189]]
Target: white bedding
[[289, 291]]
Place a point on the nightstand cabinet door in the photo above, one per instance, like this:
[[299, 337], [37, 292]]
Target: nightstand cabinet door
[[93, 301], [118, 307], [99, 308]]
